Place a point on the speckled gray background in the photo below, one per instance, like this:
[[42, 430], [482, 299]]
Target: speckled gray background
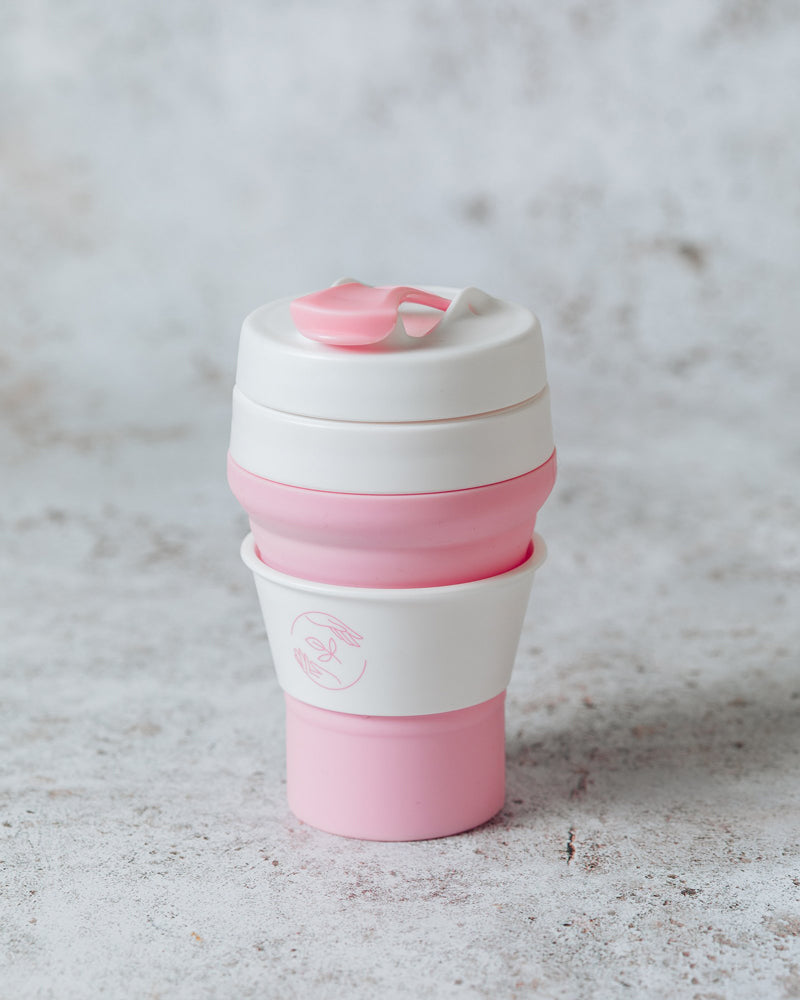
[[631, 170]]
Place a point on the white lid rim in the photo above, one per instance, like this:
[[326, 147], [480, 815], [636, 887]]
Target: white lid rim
[[394, 423], [391, 458]]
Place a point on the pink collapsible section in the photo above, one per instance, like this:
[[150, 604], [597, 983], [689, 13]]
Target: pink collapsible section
[[414, 540], [398, 778]]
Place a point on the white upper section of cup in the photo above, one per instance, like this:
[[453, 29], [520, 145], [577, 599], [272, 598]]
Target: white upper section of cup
[[483, 355], [448, 400]]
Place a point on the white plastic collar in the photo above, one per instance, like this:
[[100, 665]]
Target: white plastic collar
[[393, 652]]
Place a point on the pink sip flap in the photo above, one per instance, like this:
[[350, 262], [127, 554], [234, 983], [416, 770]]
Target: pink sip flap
[[353, 315]]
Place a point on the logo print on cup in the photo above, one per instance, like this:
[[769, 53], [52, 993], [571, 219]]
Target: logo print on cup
[[328, 651]]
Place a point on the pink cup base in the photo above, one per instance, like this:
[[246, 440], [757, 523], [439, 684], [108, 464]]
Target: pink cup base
[[395, 778]]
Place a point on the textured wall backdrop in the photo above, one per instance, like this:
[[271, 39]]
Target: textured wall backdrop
[[628, 169]]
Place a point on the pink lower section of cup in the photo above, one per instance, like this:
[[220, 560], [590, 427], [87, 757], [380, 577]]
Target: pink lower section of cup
[[397, 778], [394, 778], [414, 540]]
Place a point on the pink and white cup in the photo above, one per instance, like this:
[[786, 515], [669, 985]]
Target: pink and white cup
[[392, 448]]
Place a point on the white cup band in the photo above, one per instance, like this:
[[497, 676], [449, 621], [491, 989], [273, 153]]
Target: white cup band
[[394, 652]]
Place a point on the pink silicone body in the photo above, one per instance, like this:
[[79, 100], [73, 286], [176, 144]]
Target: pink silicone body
[[418, 540], [394, 778], [408, 778]]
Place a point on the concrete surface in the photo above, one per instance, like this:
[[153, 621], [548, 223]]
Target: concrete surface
[[630, 170]]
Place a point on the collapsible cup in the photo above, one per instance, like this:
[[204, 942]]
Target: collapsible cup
[[392, 459]]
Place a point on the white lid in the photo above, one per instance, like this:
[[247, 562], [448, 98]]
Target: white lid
[[483, 355]]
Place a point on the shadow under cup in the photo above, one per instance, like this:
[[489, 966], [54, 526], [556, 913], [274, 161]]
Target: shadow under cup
[[382, 776]]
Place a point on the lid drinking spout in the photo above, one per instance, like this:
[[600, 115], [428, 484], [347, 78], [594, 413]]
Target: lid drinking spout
[[353, 314]]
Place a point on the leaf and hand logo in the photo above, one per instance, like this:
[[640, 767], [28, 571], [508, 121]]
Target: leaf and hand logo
[[328, 651]]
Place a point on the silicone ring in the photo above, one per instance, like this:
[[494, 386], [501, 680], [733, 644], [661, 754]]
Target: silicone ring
[[378, 540]]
